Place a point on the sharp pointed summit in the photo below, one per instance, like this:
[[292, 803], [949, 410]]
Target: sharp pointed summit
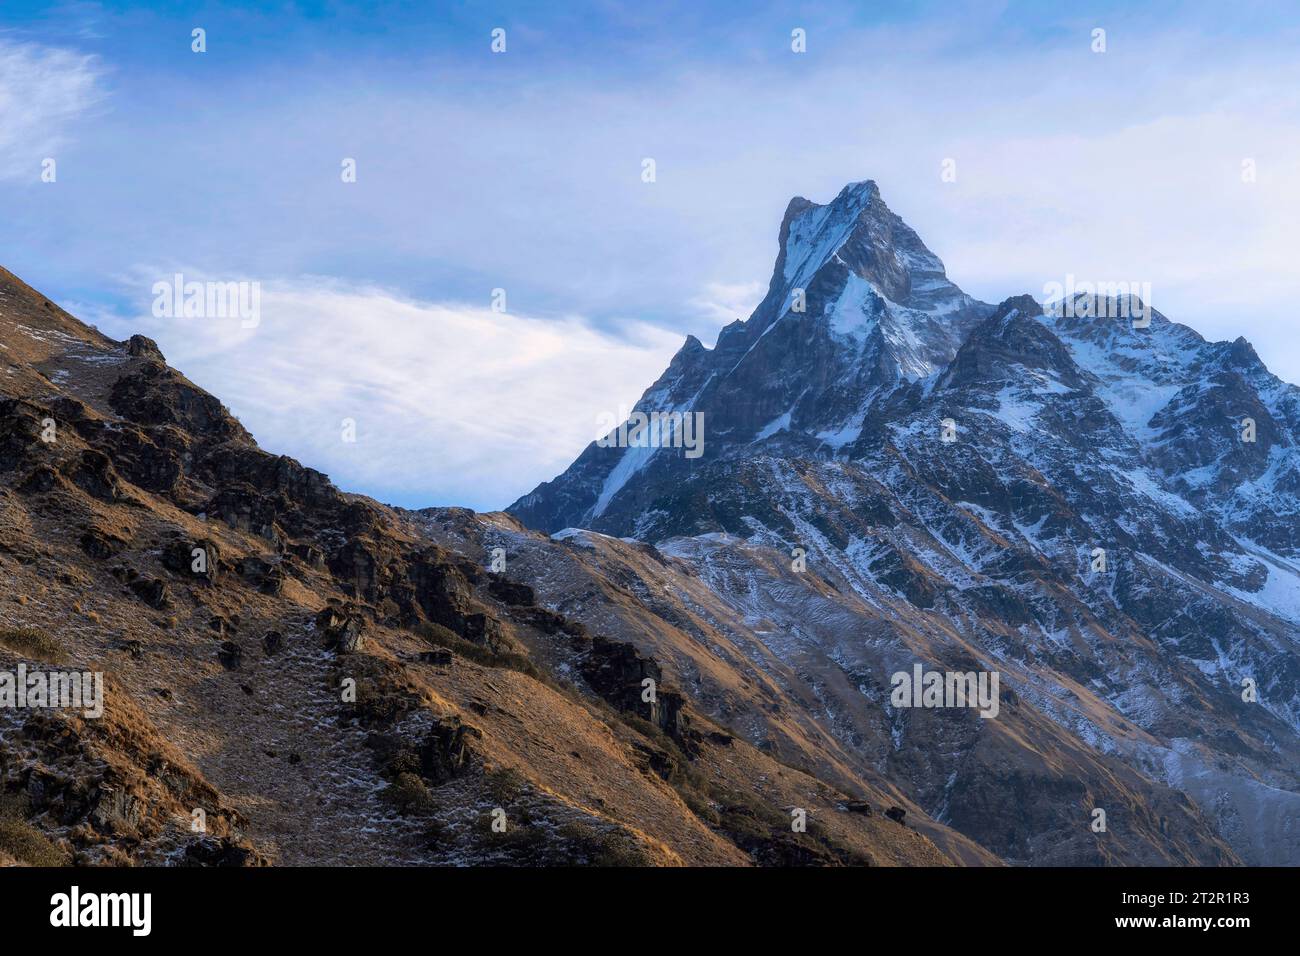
[[857, 304], [853, 261]]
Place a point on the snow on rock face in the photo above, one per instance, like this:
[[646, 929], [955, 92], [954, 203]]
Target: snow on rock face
[[859, 231], [1186, 403], [855, 297], [818, 233], [1073, 436], [855, 313], [859, 264]]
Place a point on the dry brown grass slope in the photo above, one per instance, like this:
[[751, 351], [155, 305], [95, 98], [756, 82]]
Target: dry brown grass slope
[[329, 685]]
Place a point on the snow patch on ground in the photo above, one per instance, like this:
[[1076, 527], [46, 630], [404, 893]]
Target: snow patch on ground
[[1281, 591]]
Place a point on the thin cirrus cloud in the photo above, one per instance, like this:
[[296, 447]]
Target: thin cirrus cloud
[[42, 91]]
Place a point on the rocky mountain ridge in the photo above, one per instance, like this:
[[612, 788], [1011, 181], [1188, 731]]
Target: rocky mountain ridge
[[299, 675]]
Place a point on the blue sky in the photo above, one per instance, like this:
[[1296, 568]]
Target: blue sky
[[521, 171]]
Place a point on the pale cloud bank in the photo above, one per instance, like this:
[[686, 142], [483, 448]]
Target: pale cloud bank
[[452, 403]]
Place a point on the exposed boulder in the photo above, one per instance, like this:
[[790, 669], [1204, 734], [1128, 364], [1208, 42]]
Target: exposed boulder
[[265, 575], [20, 432], [193, 560], [156, 395], [619, 673], [145, 463], [140, 346], [244, 508], [342, 628], [222, 851], [443, 592], [42, 479], [445, 752], [659, 762], [357, 567], [101, 545], [307, 553], [231, 655], [93, 473], [153, 592], [511, 592], [221, 625]]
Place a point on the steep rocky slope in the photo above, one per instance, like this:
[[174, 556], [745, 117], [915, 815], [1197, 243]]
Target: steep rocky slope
[[893, 473], [324, 679], [798, 663]]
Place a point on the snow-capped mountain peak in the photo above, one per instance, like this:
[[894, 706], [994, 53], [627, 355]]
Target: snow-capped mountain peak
[[1113, 504], [850, 252]]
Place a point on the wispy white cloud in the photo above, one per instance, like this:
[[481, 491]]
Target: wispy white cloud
[[452, 404], [42, 90], [720, 303]]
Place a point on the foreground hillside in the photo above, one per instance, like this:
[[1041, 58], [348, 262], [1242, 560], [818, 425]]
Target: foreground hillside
[[298, 675]]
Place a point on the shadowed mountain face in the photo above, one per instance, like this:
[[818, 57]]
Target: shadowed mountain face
[[1104, 512], [856, 305], [298, 675]]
